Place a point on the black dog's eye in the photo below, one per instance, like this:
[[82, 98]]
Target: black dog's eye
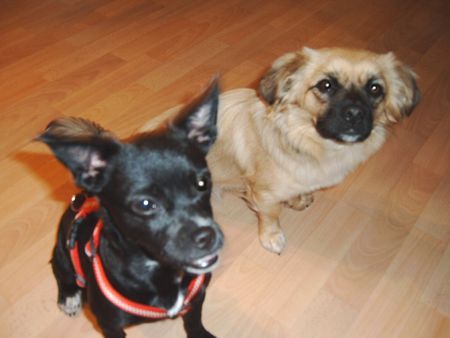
[[144, 206], [202, 183], [326, 86], [375, 90]]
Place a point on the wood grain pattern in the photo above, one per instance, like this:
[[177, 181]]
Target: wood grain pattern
[[370, 258]]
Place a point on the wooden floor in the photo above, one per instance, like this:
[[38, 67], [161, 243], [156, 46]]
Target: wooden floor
[[370, 258]]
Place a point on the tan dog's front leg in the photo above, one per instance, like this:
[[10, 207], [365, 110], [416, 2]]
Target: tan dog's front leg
[[268, 212], [270, 233]]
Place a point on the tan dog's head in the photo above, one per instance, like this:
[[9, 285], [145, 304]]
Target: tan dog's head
[[345, 93]]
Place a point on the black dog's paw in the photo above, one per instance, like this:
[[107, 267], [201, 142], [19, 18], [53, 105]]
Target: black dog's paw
[[71, 305]]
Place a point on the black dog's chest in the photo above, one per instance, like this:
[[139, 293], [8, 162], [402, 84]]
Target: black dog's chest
[[130, 273]]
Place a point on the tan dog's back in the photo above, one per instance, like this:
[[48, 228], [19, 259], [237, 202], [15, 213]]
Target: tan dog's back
[[237, 147]]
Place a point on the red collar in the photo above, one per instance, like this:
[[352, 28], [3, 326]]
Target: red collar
[[90, 205]]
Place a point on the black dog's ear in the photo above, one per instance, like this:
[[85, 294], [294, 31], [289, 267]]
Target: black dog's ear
[[197, 123], [85, 148]]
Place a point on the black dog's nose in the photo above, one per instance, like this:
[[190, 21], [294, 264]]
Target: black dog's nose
[[204, 237], [353, 114]]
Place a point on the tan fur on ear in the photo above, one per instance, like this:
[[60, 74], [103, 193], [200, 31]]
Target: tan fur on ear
[[402, 94], [74, 128], [276, 83]]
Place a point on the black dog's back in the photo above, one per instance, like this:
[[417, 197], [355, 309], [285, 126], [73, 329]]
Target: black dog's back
[[157, 240]]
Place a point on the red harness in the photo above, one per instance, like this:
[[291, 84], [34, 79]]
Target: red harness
[[90, 205]]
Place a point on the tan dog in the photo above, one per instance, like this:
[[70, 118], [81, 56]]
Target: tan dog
[[319, 114]]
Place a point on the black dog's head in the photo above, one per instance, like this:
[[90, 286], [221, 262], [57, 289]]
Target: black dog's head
[[156, 188]]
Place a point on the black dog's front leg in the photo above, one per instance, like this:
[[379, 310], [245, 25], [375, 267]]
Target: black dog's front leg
[[110, 319], [69, 294], [193, 320], [113, 333]]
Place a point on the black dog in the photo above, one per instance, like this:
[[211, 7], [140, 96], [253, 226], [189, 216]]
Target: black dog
[[139, 243]]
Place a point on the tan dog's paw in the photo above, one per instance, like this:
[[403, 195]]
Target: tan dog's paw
[[273, 240], [301, 202]]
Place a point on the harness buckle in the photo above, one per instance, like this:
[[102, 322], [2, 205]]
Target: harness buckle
[[90, 250], [77, 201]]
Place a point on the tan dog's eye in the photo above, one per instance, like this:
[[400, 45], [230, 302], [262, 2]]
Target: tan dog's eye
[[375, 90], [327, 86]]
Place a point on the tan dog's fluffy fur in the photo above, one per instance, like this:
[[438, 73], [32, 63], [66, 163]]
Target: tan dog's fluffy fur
[[269, 149]]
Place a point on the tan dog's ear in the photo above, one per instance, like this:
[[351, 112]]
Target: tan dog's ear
[[278, 79], [403, 93]]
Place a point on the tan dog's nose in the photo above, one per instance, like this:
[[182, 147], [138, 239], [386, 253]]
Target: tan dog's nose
[[353, 114]]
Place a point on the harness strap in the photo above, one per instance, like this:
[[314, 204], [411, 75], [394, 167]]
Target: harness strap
[[83, 206], [80, 278], [91, 249]]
